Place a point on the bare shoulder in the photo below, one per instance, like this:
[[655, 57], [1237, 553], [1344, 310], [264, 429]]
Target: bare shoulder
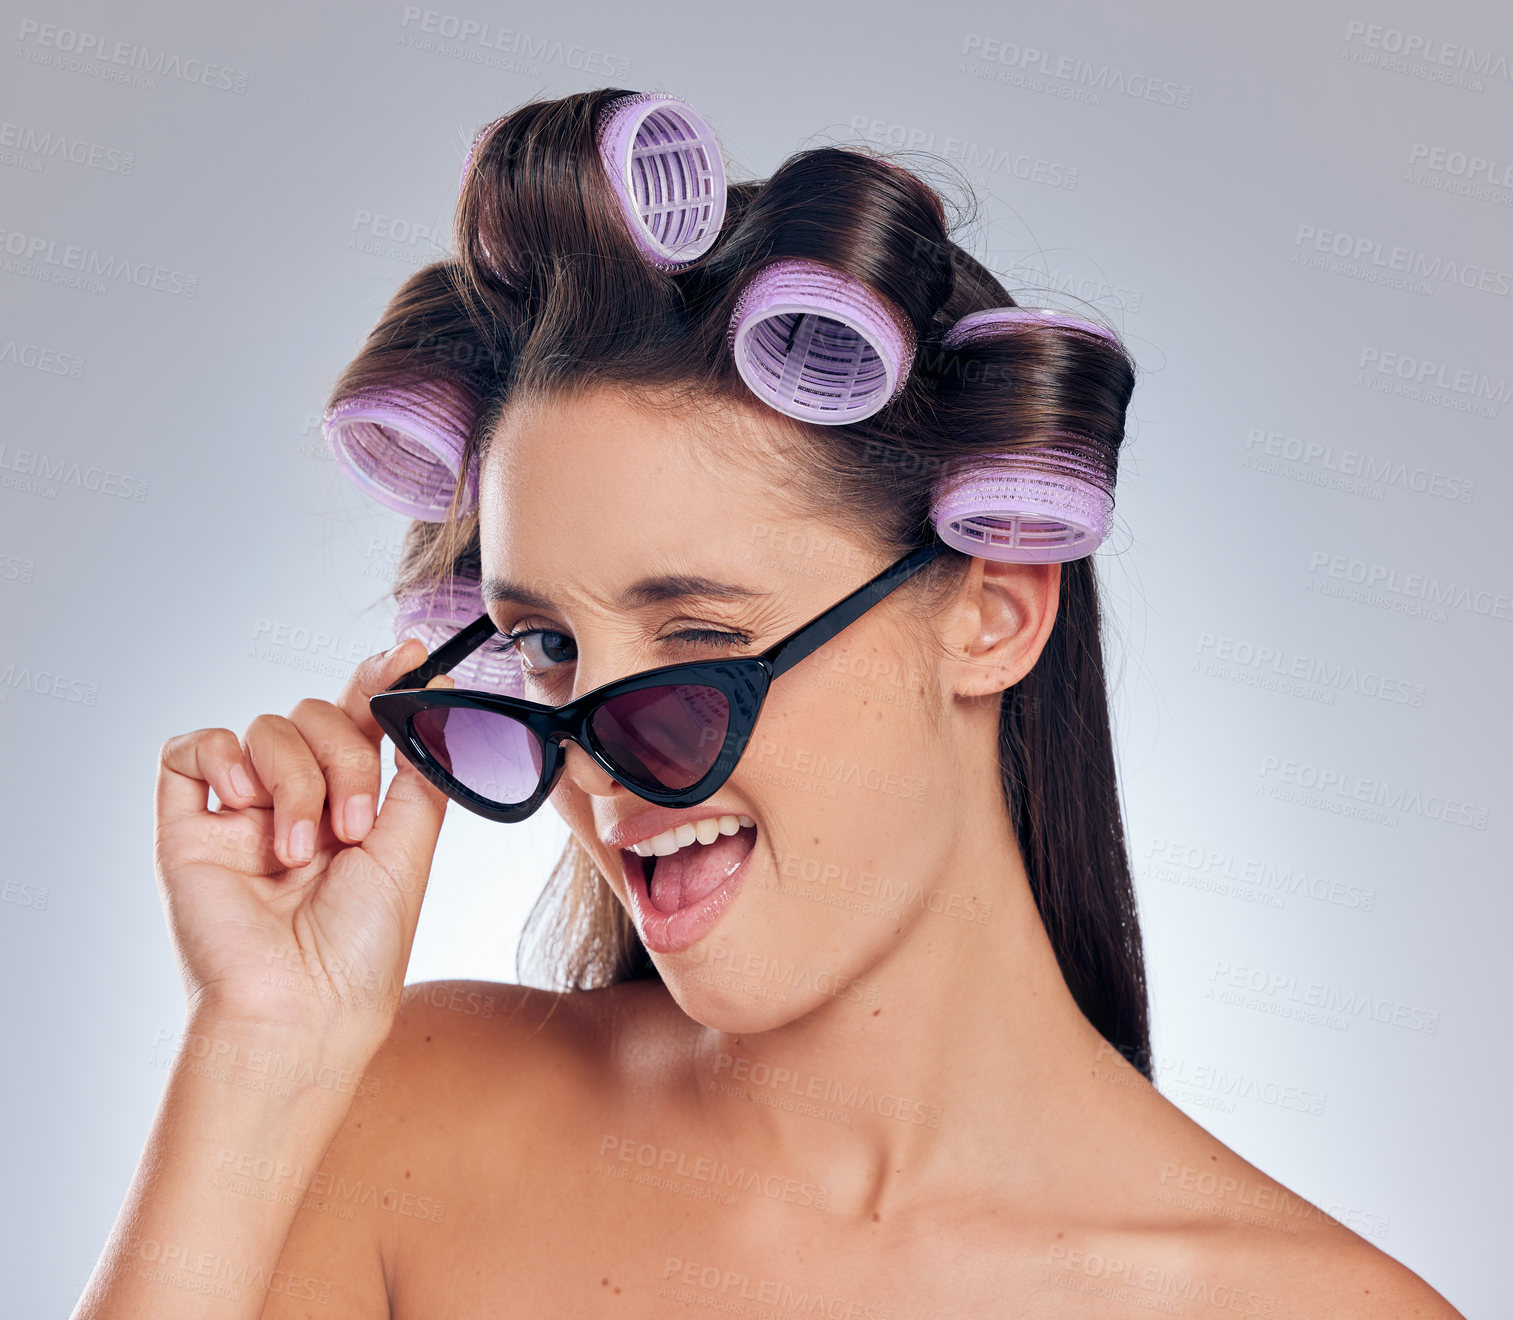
[[480, 1050], [1342, 1274], [1325, 1270], [1295, 1259], [477, 1087], [1212, 1224]]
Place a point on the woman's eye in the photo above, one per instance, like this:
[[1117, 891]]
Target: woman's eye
[[540, 649]]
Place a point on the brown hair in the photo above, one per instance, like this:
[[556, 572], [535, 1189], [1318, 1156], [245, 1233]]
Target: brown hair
[[548, 293]]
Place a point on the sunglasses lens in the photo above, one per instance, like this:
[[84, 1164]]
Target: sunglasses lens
[[488, 753], [666, 737]]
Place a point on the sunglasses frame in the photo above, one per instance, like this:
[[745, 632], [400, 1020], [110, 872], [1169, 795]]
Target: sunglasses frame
[[744, 681]]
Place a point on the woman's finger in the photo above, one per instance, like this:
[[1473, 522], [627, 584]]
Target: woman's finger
[[284, 765], [371, 677], [403, 839], [349, 762], [191, 763]]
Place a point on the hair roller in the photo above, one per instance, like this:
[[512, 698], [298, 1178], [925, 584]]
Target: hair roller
[[657, 155], [436, 613], [994, 322], [665, 166], [1033, 514], [819, 345], [1050, 504], [478, 137], [462, 182], [404, 445]]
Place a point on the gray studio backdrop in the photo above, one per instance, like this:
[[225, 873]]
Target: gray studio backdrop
[[1299, 215]]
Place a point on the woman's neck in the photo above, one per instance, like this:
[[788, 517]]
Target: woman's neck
[[963, 1063]]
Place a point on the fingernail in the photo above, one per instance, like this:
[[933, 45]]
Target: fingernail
[[302, 841], [358, 814], [240, 781], [394, 650]]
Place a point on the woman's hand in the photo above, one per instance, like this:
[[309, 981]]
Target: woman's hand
[[291, 906]]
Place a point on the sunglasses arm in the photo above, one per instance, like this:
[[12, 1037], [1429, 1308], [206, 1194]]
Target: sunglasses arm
[[781, 657], [453, 652], [813, 635]]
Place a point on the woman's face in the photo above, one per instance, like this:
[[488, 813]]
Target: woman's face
[[848, 768]]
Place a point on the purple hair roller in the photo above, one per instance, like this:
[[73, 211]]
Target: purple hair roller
[[1052, 509], [498, 758], [1031, 514], [819, 345], [462, 183], [467, 163], [437, 613], [665, 166], [404, 445], [978, 327]]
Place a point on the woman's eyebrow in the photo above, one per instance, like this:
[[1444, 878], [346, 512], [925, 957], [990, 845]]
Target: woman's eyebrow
[[646, 591]]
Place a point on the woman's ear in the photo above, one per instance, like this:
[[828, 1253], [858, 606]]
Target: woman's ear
[[998, 624]]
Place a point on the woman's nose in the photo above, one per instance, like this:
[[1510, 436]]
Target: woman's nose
[[586, 773]]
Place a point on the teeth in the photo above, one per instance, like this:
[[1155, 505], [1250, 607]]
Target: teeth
[[680, 836]]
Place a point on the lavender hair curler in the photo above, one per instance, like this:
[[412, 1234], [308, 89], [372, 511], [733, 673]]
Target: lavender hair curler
[[1029, 514], [665, 166], [404, 445], [467, 162], [994, 322], [436, 613], [1052, 508], [663, 161], [819, 345]]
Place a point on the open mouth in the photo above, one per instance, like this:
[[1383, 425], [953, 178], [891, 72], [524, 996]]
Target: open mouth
[[676, 899], [677, 881]]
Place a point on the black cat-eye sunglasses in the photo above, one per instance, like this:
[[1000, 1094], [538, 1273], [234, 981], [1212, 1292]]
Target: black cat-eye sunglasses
[[671, 735]]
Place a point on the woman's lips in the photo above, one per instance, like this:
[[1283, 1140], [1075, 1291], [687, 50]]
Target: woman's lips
[[689, 891]]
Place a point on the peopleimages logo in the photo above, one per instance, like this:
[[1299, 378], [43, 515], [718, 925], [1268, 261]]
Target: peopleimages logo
[[49, 145], [1364, 257], [1331, 784], [1459, 388], [42, 474], [92, 53], [1426, 50], [378, 235], [970, 155], [1463, 165], [1191, 1079], [1073, 72], [1350, 464], [477, 42], [48, 361], [1283, 663], [1049, 279], [1220, 864], [828, 1090], [42, 258], [1410, 588], [45, 683], [1256, 987]]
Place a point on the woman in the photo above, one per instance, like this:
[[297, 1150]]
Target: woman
[[854, 1015]]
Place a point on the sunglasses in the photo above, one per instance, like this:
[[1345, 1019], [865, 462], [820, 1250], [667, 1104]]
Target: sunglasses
[[671, 735]]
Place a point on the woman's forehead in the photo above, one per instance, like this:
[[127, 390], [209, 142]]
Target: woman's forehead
[[598, 466], [601, 498]]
